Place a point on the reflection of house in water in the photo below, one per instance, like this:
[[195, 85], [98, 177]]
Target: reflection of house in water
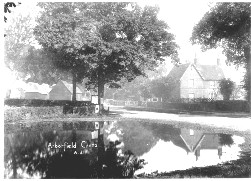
[[193, 141]]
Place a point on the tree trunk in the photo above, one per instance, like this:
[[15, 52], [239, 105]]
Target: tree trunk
[[249, 78], [101, 88], [249, 63], [74, 85], [14, 165]]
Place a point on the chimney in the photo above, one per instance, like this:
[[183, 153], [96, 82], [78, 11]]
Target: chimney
[[218, 61], [219, 152], [195, 60], [197, 154]]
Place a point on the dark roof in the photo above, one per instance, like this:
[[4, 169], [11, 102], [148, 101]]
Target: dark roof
[[210, 72], [207, 72], [69, 87], [210, 141], [178, 70], [178, 141]]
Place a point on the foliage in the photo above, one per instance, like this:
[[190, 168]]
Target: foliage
[[136, 41], [229, 22], [205, 106], [30, 151], [226, 88], [42, 103], [13, 114], [228, 25], [16, 44], [67, 37], [226, 139], [163, 87], [7, 7], [37, 67]]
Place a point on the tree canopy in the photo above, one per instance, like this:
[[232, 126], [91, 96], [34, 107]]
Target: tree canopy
[[105, 42], [228, 24]]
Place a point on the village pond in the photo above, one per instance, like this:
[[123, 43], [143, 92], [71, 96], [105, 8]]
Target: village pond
[[111, 149]]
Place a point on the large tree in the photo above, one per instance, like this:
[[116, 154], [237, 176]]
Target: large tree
[[132, 41], [228, 24], [104, 41], [67, 38]]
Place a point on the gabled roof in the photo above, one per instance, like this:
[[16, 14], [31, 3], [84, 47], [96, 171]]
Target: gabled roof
[[178, 71], [207, 72], [210, 72], [70, 87], [211, 141]]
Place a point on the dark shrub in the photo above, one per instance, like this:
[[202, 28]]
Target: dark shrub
[[203, 105], [43, 103]]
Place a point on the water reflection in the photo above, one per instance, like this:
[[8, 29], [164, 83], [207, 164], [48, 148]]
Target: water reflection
[[166, 148], [110, 150], [76, 151]]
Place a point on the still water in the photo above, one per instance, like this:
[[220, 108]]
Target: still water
[[118, 149]]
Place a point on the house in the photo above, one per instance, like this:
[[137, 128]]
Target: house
[[64, 90], [31, 90], [196, 81], [36, 91], [194, 141]]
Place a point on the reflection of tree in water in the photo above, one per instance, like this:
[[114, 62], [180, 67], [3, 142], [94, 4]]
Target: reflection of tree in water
[[162, 131], [225, 139], [120, 166], [29, 151], [140, 137], [136, 137]]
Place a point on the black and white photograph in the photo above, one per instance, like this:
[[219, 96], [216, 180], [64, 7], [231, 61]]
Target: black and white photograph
[[155, 89]]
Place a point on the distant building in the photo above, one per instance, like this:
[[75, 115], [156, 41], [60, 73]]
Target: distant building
[[194, 141], [64, 91], [36, 91], [196, 81]]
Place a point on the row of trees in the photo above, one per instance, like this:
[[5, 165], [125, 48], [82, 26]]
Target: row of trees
[[164, 87], [103, 42], [142, 87]]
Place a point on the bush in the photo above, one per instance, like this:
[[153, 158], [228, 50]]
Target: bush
[[12, 114], [203, 105], [43, 103]]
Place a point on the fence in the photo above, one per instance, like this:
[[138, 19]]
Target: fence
[[131, 103]]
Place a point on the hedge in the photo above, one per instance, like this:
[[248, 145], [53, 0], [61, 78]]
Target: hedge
[[43, 103], [214, 106], [12, 114]]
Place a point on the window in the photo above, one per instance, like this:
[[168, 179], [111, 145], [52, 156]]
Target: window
[[191, 83], [154, 99], [191, 132], [212, 84]]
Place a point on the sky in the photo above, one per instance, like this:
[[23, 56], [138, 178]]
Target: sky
[[181, 16]]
